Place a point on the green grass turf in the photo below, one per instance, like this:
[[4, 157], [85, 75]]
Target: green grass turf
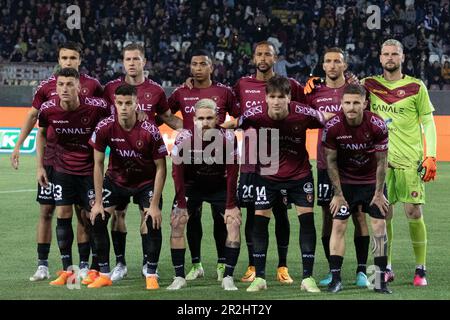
[[19, 214]]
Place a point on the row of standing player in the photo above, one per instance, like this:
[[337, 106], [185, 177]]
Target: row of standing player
[[264, 59]]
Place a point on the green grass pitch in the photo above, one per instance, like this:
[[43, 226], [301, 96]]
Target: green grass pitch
[[19, 214]]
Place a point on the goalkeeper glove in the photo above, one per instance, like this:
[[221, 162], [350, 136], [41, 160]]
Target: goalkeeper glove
[[427, 169], [311, 84]]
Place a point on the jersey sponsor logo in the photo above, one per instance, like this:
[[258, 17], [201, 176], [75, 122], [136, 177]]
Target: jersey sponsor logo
[[189, 109], [126, 153], [73, 130], [379, 123], [146, 107], [379, 91], [331, 108], [308, 187], [353, 146], [252, 103], [387, 108]]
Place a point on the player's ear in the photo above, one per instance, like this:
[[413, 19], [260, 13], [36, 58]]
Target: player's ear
[[365, 103]]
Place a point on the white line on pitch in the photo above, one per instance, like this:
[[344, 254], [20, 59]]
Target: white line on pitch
[[18, 191]]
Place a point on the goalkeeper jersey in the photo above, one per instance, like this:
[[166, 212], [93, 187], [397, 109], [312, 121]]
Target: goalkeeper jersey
[[400, 103]]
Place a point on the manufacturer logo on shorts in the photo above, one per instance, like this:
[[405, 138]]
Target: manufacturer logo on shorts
[[308, 187], [150, 194], [91, 196], [84, 91], [343, 212], [85, 120], [139, 144], [414, 194], [147, 96]]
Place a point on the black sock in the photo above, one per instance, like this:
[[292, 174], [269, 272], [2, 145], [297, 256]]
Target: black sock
[[84, 249], [362, 251], [194, 234], [220, 232], [381, 263], [101, 242], [260, 244], [282, 232], [64, 235], [144, 249], [178, 261], [154, 239], [43, 250], [119, 240], [94, 263], [307, 241], [249, 223], [335, 267], [326, 247], [232, 255]]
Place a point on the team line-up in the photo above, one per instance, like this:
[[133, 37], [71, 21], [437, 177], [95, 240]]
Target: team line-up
[[370, 155]]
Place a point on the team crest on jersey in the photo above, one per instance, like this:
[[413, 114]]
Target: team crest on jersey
[[367, 135], [401, 93], [414, 194], [147, 96], [85, 120], [139, 144], [84, 91], [308, 187], [215, 98]]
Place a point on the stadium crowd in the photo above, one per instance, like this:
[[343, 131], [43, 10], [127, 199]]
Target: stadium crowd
[[30, 31]]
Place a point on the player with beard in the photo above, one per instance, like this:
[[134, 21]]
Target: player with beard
[[183, 99], [404, 104], [326, 97]]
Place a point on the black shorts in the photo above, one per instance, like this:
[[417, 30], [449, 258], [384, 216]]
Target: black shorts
[[359, 194], [324, 188], [45, 195], [196, 197], [71, 189], [246, 189], [115, 195], [299, 192]]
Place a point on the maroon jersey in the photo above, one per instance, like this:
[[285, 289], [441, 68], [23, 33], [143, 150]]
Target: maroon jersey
[[324, 99], [90, 87], [72, 132], [202, 173], [183, 99], [132, 155], [356, 146], [251, 92], [292, 157], [151, 98]]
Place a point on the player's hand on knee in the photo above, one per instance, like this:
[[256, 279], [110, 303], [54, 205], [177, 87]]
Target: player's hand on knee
[[41, 177], [428, 169], [155, 214], [95, 211], [337, 203], [234, 214], [381, 202]]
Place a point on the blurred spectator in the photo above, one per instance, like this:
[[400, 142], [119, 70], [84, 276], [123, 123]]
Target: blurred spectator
[[30, 31], [445, 72]]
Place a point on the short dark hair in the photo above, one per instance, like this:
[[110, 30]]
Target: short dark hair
[[134, 46], [278, 84], [126, 90], [337, 50], [201, 52], [355, 89], [265, 43], [70, 45], [68, 72]]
